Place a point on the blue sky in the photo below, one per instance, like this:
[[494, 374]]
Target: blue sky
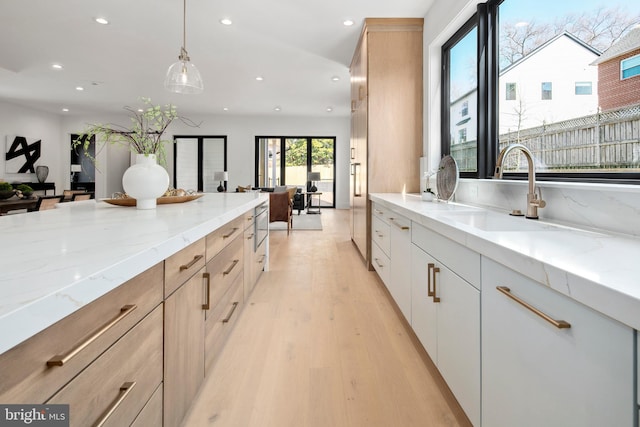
[[463, 58]]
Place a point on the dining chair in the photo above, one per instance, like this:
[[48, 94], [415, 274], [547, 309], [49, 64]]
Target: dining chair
[[81, 196], [280, 208], [47, 202]]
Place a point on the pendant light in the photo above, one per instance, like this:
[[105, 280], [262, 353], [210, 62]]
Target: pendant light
[[183, 76]]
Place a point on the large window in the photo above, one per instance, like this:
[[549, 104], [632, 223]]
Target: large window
[[289, 160], [196, 159], [535, 67]]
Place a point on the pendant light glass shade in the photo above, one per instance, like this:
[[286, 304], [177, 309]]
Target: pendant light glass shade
[[183, 76]]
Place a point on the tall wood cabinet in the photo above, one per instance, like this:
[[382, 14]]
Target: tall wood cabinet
[[386, 117]]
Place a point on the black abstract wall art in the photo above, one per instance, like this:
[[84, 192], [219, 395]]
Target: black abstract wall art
[[22, 154]]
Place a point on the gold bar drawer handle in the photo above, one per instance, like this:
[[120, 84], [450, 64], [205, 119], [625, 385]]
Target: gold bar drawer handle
[[560, 324], [207, 291], [124, 392], [250, 218], [400, 226], [233, 265], [226, 236], [61, 359], [192, 263], [251, 236], [262, 258], [233, 308]]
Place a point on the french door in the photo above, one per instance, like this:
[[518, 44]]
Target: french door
[[289, 160], [196, 159]]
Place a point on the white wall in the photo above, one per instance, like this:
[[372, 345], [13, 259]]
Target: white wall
[[16, 120], [241, 131]]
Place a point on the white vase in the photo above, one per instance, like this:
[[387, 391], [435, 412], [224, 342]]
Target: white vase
[[145, 181]]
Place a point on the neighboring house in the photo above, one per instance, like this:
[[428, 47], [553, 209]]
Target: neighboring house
[[554, 82], [619, 73]]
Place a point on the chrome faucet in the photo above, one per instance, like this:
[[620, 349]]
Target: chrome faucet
[[533, 201]]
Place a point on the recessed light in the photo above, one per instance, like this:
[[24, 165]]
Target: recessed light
[[66, 110], [259, 78], [277, 109], [329, 109], [225, 109], [348, 22], [101, 20], [335, 78], [226, 21], [79, 88], [57, 66]]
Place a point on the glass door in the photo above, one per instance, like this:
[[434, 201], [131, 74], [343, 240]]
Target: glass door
[[323, 161]]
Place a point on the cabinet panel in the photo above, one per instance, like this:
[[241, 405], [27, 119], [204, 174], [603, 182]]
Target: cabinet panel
[[248, 255], [535, 374], [25, 376], [135, 358], [183, 348], [400, 261], [220, 238], [424, 319], [151, 414], [380, 233], [381, 263], [223, 270]]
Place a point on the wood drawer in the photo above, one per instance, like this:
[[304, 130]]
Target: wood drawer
[[217, 240], [380, 234], [134, 361], [223, 270], [25, 376], [247, 267], [151, 414], [249, 218], [219, 324], [179, 267]]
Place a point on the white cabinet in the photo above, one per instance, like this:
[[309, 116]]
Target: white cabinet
[[445, 313], [538, 374]]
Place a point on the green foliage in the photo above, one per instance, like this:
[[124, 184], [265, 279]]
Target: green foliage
[[321, 152], [24, 188], [5, 186], [143, 137]]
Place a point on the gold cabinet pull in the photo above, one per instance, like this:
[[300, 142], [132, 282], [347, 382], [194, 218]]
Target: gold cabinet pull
[[61, 359], [233, 265], [233, 308], [250, 218], [207, 291], [226, 236], [124, 391], [195, 259], [262, 258], [251, 236], [435, 297], [400, 226], [560, 324], [378, 262], [430, 266]]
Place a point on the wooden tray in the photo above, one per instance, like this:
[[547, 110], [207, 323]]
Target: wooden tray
[[160, 200]]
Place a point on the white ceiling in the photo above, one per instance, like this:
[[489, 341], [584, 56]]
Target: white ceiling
[[296, 45]]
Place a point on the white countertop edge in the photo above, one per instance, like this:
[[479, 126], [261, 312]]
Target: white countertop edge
[[49, 309], [619, 304]]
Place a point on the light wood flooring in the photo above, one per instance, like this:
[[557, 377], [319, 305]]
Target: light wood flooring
[[320, 344]]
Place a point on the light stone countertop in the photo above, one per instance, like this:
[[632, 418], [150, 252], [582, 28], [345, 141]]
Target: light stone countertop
[[56, 261], [596, 268]]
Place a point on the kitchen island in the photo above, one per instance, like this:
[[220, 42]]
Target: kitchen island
[[55, 262]]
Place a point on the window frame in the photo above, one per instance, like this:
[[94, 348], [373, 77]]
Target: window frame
[[583, 84], [511, 88], [486, 20], [546, 94], [622, 69]]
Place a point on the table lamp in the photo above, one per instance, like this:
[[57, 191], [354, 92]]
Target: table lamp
[[221, 176], [313, 177], [74, 171]]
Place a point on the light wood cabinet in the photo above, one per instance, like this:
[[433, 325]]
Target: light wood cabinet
[[445, 315], [537, 374], [119, 382], [151, 414], [183, 347], [179, 267], [226, 275], [386, 117], [25, 374]]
